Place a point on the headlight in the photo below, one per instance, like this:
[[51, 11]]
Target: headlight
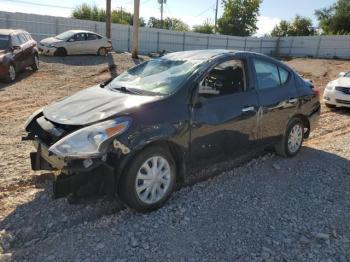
[[330, 87], [30, 119], [90, 141], [51, 45]]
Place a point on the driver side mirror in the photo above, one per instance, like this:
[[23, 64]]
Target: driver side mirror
[[341, 74], [16, 47], [71, 40]]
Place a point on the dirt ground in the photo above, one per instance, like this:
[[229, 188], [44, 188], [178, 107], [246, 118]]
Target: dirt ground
[[59, 77]]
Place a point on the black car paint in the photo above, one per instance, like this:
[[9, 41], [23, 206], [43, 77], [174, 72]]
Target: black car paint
[[20, 56], [200, 132]]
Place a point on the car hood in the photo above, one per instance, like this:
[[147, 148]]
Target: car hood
[[50, 40], [342, 81], [93, 105]]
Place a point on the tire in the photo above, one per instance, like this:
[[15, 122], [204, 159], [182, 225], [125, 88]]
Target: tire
[[102, 51], [61, 51], [330, 106], [11, 74], [292, 139], [35, 65], [140, 195]]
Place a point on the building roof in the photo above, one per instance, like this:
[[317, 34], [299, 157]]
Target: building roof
[[10, 31]]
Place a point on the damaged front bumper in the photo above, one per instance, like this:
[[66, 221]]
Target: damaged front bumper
[[78, 177]]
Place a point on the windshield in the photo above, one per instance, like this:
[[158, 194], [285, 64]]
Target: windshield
[[161, 76], [65, 35], [4, 42]]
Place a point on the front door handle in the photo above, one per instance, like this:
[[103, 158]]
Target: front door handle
[[248, 109], [292, 100]]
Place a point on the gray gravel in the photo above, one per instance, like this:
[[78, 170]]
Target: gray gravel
[[268, 209]]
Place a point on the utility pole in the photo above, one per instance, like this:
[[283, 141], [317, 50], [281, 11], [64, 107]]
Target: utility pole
[[135, 29], [121, 10], [108, 18], [161, 2], [216, 15]]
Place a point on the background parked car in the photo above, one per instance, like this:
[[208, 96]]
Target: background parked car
[[18, 50], [337, 92], [75, 42]]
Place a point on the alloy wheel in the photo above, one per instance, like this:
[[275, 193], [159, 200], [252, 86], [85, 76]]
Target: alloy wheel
[[295, 138], [153, 180]]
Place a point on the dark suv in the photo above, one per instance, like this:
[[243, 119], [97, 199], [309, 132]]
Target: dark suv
[[143, 132], [18, 51]]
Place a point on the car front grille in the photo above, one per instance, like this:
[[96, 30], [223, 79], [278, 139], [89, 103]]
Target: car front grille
[[342, 101], [345, 90]]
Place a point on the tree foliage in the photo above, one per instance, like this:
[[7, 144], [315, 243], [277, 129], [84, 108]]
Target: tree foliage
[[239, 17], [300, 26], [335, 19], [168, 23], [93, 13], [206, 28]]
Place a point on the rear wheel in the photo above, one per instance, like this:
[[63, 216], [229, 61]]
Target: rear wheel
[[102, 51], [35, 65], [149, 180], [292, 139], [61, 52], [11, 74]]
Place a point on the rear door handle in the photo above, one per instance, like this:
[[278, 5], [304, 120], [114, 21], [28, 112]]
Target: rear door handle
[[248, 109], [292, 100]]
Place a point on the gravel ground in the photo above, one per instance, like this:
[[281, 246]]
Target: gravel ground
[[269, 209]]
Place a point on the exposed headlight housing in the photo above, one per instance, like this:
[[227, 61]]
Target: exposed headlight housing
[[91, 141]]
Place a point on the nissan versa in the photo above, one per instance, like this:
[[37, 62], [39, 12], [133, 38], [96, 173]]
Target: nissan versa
[[145, 131]]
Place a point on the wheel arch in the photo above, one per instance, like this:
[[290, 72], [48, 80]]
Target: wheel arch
[[306, 123]]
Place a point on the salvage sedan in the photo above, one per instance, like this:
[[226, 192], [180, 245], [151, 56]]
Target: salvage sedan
[[75, 42], [337, 92], [145, 131]]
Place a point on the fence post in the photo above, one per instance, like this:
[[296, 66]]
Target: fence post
[[277, 51], [227, 42], [208, 42], [56, 26], [96, 28], [8, 21], [245, 44], [129, 38], [261, 41], [318, 47], [291, 47], [158, 41], [183, 41]]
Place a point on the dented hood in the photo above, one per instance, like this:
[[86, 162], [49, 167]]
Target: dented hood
[[92, 105]]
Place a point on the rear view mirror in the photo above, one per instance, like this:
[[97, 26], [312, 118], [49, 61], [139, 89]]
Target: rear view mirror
[[341, 74]]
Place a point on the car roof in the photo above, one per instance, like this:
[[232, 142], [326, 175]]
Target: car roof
[[81, 31], [11, 31]]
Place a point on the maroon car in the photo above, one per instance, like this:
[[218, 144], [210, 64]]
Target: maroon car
[[18, 51]]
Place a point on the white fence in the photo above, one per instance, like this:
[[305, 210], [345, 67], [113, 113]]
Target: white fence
[[152, 40]]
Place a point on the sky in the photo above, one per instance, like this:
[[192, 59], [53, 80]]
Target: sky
[[192, 12]]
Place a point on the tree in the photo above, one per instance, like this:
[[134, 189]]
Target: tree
[[300, 26], [87, 12], [168, 23], [335, 19], [239, 17], [206, 28]]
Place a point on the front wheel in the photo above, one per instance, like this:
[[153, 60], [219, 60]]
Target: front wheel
[[330, 106], [292, 139], [149, 180]]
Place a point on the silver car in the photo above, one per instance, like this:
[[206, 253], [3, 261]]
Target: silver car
[[75, 42]]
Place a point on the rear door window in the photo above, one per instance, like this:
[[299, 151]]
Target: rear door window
[[269, 75], [16, 41], [91, 37]]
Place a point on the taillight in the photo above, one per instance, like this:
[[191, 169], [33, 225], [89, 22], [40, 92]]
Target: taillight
[[316, 91]]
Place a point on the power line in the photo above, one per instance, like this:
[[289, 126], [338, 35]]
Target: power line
[[206, 10], [39, 4]]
